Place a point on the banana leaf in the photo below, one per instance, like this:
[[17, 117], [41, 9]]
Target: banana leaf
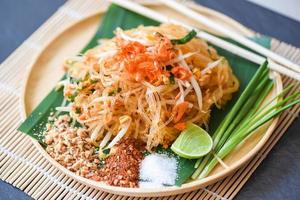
[[115, 17]]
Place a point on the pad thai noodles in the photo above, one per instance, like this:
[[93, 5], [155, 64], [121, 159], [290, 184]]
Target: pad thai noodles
[[145, 84]]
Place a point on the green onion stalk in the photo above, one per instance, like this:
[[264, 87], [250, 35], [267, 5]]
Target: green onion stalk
[[218, 134], [241, 134], [188, 37], [247, 115]]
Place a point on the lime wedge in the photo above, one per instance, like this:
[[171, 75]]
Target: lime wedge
[[193, 142]]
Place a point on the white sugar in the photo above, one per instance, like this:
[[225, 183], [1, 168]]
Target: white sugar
[[157, 170], [148, 184]]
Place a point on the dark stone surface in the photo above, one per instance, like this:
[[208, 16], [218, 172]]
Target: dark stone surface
[[259, 19], [9, 192], [20, 18], [276, 178]]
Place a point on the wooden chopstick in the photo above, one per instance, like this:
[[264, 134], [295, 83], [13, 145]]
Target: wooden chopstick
[[130, 5], [229, 33]]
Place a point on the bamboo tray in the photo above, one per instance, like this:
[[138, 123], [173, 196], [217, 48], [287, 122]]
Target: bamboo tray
[[46, 70]]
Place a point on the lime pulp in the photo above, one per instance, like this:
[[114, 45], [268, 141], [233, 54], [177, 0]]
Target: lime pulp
[[193, 142]]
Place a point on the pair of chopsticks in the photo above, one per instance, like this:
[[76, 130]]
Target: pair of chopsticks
[[287, 67]]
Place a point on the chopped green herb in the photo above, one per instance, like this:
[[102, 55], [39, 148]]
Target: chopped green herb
[[185, 39], [73, 96], [169, 67], [103, 153], [96, 150], [172, 79], [114, 92], [75, 80], [94, 81], [106, 151], [78, 110], [102, 163]]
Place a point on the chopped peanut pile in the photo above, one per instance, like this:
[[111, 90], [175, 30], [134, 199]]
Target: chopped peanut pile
[[69, 146]]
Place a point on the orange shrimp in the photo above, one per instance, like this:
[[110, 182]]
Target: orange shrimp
[[179, 110], [181, 73], [164, 50], [132, 48], [180, 126], [143, 65], [83, 117]]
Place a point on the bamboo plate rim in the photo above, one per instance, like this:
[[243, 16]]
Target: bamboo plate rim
[[164, 191]]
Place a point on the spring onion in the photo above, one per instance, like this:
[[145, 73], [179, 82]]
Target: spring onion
[[243, 98], [247, 115], [185, 39], [241, 134]]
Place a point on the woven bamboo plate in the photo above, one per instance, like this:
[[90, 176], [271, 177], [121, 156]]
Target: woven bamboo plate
[[46, 70]]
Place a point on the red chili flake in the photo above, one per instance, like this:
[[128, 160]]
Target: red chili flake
[[122, 166]]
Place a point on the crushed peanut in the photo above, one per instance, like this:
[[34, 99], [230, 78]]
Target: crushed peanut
[[69, 146]]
